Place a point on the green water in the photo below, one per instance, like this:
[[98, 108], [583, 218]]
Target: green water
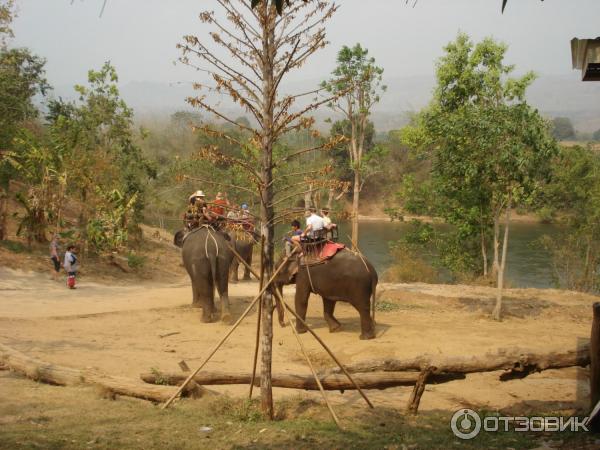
[[528, 264]]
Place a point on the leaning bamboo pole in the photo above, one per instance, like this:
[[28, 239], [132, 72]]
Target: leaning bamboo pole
[[229, 333], [314, 373], [319, 340]]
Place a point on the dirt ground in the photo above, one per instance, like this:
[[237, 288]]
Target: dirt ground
[[117, 329]]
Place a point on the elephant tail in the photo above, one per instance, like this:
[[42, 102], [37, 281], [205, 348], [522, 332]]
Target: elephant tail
[[213, 269], [373, 297]]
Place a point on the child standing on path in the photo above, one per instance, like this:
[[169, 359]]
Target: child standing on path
[[71, 266], [54, 256]]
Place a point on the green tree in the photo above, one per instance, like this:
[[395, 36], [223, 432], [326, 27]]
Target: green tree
[[22, 77], [357, 84], [574, 190], [7, 14], [339, 155], [596, 135], [101, 156], [490, 150], [562, 128]]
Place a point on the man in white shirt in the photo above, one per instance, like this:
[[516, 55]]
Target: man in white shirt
[[314, 224]]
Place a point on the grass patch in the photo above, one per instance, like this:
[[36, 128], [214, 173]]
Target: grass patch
[[78, 418], [14, 246], [386, 306], [135, 261]]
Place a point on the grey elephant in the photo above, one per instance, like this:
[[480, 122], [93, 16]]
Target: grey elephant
[[207, 258], [346, 277], [244, 247]]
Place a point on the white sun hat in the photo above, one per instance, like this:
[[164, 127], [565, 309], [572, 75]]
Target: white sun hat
[[197, 194]]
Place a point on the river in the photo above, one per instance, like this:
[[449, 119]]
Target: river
[[528, 265]]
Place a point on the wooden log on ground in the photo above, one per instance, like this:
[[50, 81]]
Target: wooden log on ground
[[517, 363], [330, 382], [39, 370]]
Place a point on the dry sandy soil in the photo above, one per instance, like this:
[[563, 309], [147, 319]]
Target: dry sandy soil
[[118, 328]]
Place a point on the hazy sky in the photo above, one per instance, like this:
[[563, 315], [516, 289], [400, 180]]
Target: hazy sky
[[139, 36]]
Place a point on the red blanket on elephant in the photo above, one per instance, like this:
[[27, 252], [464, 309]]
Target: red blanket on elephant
[[329, 250]]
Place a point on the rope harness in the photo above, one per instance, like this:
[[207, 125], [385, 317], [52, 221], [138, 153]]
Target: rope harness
[[206, 241]]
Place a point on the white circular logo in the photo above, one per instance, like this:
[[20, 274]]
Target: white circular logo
[[465, 424]]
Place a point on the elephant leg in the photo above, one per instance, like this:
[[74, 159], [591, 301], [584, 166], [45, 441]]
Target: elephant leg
[[195, 297], [246, 268], [233, 272], [224, 297], [205, 299], [328, 308], [301, 305], [366, 322]]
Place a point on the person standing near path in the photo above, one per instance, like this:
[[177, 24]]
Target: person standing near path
[[71, 266], [54, 256]]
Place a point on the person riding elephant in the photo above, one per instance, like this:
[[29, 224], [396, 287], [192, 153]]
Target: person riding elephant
[[207, 258], [345, 277], [197, 212]]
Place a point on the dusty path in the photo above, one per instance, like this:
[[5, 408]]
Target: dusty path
[[118, 330]]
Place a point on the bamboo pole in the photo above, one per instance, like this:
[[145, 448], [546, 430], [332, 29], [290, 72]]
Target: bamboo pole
[[257, 276], [328, 350], [314, 372], [231, 330], [319, 340], [261, 281]]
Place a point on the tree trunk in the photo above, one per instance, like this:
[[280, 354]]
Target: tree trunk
[[308, 203], [355, 200], [497, 313], [515, 361], [66, 376], [496, 263], [330, 199], [484, 253], [3, 214], [268, 14], [330, 381]]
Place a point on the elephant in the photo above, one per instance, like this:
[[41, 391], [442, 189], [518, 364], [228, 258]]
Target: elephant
[[346, 277], [244, 247], [207, 258]]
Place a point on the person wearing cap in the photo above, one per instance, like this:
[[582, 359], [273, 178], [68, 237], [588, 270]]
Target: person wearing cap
[[197, 212], [246, 218]]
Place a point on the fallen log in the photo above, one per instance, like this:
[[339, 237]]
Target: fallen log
[[330, 382], [517, 363], [45, 372]]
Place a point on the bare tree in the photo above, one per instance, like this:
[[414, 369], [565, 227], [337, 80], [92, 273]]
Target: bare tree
[[248, 53]]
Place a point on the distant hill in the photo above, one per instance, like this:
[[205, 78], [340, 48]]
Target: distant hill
[[553, 95]]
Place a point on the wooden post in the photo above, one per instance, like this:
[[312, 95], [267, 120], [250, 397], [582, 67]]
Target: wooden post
[[417, 392], [595, 357], [261, 282], [314, 372], [328, 350], [319, 340], [231, 330]]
